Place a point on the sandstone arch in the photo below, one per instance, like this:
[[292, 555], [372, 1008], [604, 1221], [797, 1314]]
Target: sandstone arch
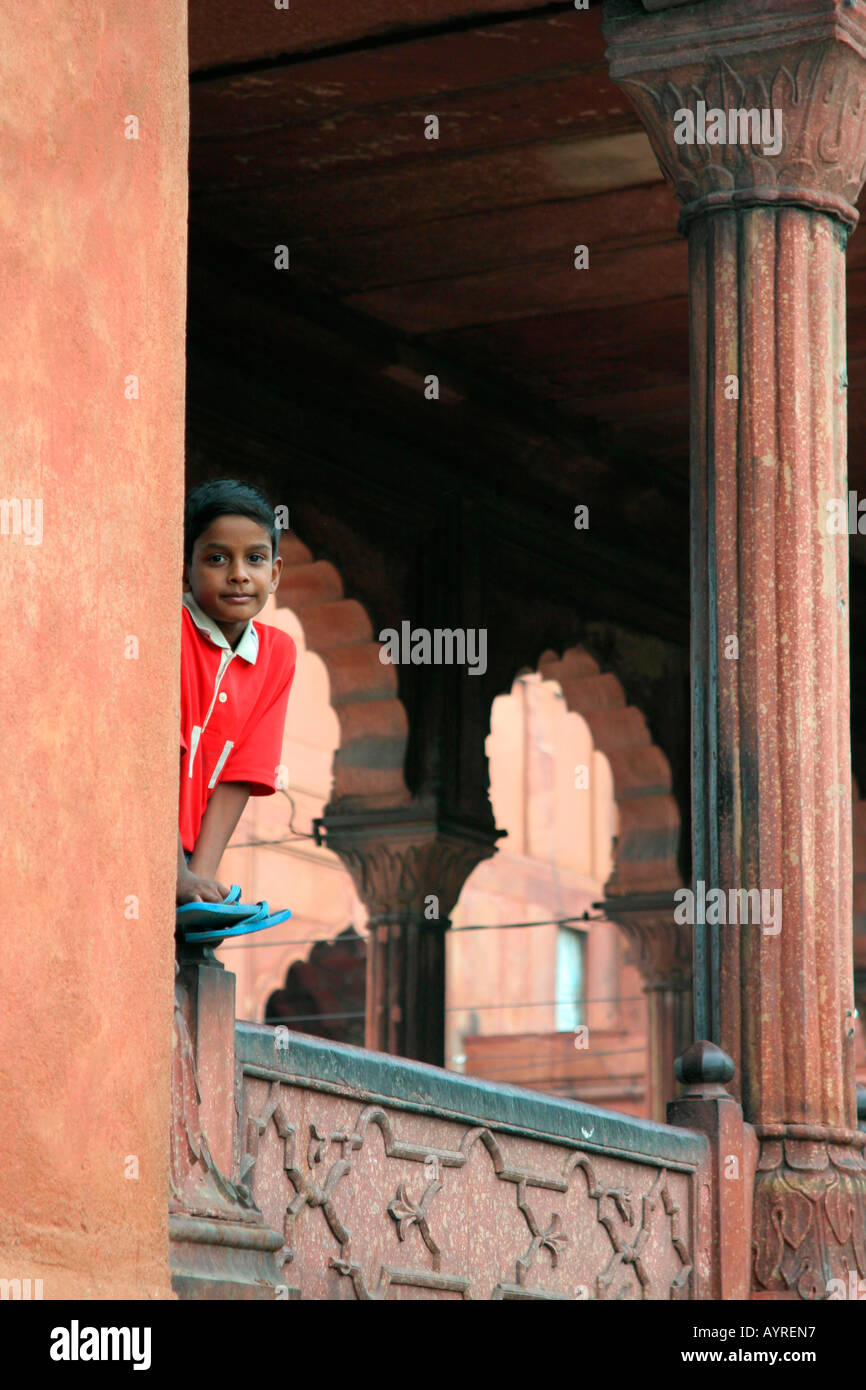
[[368, 765], [646, 873], [649, 818]]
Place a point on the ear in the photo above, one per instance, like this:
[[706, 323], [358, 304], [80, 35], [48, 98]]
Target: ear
[[187, 587], [275, 574]]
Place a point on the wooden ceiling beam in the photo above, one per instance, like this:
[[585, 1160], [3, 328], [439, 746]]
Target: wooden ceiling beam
[[230, 35]]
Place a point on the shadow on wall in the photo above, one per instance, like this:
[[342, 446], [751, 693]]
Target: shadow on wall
[[324, 995]]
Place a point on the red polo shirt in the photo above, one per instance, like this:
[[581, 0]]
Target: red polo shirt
[[232, 711]]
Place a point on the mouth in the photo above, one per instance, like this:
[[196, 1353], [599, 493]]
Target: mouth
[[237, 598]]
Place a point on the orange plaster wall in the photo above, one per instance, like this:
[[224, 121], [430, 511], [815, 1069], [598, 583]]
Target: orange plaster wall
[[92, 282]]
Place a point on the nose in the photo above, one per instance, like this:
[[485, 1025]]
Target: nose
[[237, 572]]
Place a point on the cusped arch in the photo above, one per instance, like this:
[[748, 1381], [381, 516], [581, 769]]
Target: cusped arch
[[374, 727], [649, 818]]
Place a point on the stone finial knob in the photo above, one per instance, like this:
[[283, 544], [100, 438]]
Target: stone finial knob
[[704, 1064]]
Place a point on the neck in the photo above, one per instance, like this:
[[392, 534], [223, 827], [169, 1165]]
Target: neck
[[232, 632]]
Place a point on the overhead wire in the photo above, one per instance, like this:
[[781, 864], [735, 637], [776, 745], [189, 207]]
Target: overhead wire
[[526, 1073], [292, 839], [452, 931], [538, 1065], [468, 1008]]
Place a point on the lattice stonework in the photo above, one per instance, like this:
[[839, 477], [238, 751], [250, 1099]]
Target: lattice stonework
[[382, 1203]]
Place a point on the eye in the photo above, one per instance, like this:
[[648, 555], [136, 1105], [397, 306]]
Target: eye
[[215, 555], [257, 555]]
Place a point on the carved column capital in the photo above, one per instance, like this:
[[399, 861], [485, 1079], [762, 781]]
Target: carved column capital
[[662, 947], [398, 859], [409, 865], [800, 68]]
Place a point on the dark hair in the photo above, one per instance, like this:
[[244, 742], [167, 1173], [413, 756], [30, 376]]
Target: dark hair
[[225, 497]]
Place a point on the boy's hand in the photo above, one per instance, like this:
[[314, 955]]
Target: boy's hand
[[192, 889]]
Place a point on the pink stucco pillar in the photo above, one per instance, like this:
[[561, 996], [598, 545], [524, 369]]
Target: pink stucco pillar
[[767, 220], [92, 283]]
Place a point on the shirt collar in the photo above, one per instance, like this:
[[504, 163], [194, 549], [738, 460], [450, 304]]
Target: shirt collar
[[247, 647]]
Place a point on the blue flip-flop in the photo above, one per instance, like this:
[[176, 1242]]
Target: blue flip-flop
[[258, 919], [230, 911]]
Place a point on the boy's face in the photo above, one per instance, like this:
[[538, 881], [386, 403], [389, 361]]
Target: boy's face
[[232, 572]]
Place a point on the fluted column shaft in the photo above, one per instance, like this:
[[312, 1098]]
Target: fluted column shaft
[[771, 743]]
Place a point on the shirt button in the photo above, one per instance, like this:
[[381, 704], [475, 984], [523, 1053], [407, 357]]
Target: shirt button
[[223, 697]]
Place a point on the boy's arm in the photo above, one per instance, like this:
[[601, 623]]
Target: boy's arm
[[223, 812], [191, 888]]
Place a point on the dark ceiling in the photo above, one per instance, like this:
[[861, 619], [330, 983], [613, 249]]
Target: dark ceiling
[[311, 121], [456, 255]]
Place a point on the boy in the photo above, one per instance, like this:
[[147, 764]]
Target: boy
[[235, 675]]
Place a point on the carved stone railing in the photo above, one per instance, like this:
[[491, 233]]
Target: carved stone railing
[[304, 1168], [393, 1179]]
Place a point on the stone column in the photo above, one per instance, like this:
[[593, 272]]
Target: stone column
[[663, 954], [767, 228], [409, 867]]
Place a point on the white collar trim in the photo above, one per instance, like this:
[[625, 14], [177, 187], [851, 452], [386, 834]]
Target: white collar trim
[[247, 647]]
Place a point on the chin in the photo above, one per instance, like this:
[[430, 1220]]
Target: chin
[[236, 611]]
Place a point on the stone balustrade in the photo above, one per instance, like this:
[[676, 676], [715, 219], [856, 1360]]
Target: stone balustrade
[[307, 1169], [391, 1179]]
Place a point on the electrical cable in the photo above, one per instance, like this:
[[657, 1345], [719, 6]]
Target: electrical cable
[[530, 1004], [286, 840], [453, 931], [546, 1003]]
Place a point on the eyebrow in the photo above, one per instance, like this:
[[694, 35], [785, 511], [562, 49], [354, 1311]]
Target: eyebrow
[[256, 545]]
